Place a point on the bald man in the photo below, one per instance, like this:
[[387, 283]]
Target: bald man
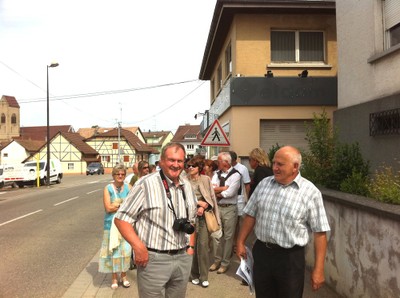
[[282, 209]]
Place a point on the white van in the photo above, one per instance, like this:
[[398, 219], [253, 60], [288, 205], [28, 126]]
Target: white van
[[31, 174], [11, 175]]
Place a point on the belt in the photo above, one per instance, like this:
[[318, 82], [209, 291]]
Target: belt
[[226, 205], [170, 252], [275, 246]]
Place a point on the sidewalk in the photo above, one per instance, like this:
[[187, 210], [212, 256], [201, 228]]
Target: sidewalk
[[91, 283]]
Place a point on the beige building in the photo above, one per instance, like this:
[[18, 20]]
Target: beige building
[[119, 146], [157, 140], [190, 137], [368, 86], [271, 65], [9, 119]]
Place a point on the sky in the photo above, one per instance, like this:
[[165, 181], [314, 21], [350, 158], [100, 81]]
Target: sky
[[131, 62]]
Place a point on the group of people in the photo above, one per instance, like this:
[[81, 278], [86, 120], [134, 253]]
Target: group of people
[[162, 219]]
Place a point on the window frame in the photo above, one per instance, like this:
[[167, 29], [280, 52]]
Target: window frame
[[228, 60], [297, 48], [391, 21]]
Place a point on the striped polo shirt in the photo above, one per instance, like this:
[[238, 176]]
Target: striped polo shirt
[[149, 210]]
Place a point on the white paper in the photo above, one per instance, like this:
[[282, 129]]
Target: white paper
[[245, 270]]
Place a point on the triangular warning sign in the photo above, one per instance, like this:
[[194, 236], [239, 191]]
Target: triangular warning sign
[[215, 136]]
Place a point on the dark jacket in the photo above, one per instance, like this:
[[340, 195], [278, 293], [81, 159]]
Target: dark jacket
[[259, 174]]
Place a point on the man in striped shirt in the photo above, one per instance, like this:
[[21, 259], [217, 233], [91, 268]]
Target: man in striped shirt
[[157, 220], [283, 209]]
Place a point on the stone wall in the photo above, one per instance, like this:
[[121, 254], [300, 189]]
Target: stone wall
[[363, 256]]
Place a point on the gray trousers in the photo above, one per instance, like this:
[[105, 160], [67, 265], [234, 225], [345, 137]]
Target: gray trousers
[[164, 276], [201, 259], [223, 246]]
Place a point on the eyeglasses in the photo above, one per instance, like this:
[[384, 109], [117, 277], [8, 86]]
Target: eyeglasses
[[120, 175], [145, 168], [191, 166]]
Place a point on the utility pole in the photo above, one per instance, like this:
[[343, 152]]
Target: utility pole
[[119, 141]]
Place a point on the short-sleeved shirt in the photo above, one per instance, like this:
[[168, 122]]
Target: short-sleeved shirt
[[285, 214], [229, 196], [245, 179], [149, 210]]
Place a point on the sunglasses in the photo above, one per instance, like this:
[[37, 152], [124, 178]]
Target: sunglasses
[[120, 175], [191, 166], [145, 168]]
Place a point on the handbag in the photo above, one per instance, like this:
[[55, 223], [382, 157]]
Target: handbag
[[211, 221]]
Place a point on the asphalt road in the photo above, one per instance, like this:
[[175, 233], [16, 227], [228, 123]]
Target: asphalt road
[[48, 235]]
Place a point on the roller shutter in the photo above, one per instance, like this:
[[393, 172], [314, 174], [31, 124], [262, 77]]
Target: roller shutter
[[283, 132]]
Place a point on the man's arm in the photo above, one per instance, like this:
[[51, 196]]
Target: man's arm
[[127, 231], [317, 276], [247, 188], [247, 227]]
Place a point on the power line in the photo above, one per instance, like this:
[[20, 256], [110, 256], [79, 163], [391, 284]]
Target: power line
[[101, 93], [167, 108]]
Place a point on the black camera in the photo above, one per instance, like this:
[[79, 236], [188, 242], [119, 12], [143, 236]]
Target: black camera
[[183, 225]]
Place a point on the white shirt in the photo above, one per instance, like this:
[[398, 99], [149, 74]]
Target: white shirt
[[128, 178], [245, 180]]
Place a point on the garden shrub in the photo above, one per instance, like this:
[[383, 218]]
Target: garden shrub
[[385, 185], [356, 183]]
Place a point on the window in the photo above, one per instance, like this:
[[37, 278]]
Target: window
[[384, 123], [105, 158], [391, 15], [228, 60], [190, 137], [219, 77], [126, 158], [5, 154], [212, 86], [297, 46], [70, 166], [14, 119], [115, 145], [190, 147], [3, 118]]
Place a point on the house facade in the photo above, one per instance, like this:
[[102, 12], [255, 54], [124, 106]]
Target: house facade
[[18, 150], [368, 85], [157, 140], [74, 154], [119, 146], [271, 66], [190, 137]]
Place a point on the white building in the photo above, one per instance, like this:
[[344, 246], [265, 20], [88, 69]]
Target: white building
[[368, 38]]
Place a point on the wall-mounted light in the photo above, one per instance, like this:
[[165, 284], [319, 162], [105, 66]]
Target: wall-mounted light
[[269, 74], [303, 74]]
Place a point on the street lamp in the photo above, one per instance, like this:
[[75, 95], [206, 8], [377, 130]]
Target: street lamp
[[53, 64]]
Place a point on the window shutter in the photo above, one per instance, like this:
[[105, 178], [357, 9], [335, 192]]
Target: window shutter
[[392, 13]]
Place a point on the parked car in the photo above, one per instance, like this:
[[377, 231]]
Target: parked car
[[95, 168]]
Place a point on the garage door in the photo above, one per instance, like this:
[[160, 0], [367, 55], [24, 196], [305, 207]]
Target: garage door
[[283, 132]]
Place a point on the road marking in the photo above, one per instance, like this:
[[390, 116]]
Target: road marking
[[74, 198], [7, 222], [88, 193], [93, 182]]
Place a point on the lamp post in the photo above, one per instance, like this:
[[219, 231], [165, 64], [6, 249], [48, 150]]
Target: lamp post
[[53, 64]]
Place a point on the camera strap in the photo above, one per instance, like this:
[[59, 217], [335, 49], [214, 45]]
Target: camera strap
[[168, 192]]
